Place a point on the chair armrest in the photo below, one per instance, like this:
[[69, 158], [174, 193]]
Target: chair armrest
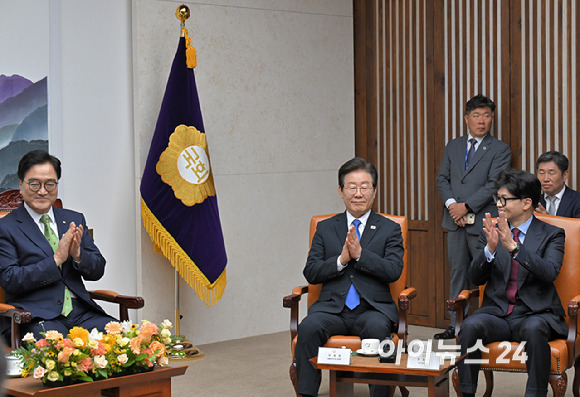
[[17, 317], [458, 305], [292, 301], [572, 329], [404, 304], [124, 301]]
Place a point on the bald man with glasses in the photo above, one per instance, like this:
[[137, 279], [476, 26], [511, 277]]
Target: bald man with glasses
[[46, 253]]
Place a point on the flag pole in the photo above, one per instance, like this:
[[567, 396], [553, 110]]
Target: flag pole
[[187, 350]]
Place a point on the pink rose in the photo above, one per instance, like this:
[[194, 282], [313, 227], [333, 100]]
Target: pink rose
[[41, 343], [39, 372], [136, 344], [148, 329], [53, 335], [86, 364]]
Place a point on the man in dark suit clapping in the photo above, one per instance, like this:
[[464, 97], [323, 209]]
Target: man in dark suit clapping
[[354, 255], [46, 253], [519, 258]]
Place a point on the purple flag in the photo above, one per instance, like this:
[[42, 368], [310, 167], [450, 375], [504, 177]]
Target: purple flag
[[178, 200]]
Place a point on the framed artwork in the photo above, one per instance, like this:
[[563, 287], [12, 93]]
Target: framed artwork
[[24, 66]]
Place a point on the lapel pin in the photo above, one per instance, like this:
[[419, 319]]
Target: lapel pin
[[373, 227], [485, 148]]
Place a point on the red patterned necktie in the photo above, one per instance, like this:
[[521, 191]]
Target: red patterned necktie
[[512, 284]]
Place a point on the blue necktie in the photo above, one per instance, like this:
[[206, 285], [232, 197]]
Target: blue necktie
[[471, 152], [353, 297]]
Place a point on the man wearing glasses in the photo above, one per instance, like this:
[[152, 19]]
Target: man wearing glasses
[[519, 257], [46, 252], [354, 255]]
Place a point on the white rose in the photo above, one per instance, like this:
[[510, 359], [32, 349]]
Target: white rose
[[165, 333], [163, 361], [29, 337], [166, 324], [100, 361], [122, 359]]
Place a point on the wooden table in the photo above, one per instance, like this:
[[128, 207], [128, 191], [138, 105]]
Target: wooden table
[[370, 370], [155, 383]]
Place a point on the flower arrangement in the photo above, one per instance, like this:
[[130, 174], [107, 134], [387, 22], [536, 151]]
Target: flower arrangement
[[124, 348]]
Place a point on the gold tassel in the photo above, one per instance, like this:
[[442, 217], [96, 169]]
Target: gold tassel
[[189, 50], [165, 244]]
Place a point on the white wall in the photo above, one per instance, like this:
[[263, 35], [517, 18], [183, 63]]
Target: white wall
[[91, 126], [275, 80]]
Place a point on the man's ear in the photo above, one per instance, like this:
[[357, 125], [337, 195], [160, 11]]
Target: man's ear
[[528, 204]]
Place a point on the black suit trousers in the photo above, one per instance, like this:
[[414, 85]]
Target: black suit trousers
[[518, 327], [318, 327]]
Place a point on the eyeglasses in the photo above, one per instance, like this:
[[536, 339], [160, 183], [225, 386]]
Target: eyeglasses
[[49, 186], [503, 200], [351, 190]]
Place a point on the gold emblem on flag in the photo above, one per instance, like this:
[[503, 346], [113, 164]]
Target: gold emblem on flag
[[185, 166]]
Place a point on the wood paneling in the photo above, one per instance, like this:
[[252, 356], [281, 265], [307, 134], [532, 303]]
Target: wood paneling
[[417, 63]]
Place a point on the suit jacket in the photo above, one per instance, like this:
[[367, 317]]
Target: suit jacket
[[28, 272], [569, 205], [540, 258], [474, 185], [380, 263]]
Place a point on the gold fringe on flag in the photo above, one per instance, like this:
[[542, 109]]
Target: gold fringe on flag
[[165, 244]]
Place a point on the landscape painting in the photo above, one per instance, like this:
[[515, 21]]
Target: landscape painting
[[24, 66], [23, 123]]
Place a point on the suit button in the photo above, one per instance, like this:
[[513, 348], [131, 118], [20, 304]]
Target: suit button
[[59, 302], [351, 276]]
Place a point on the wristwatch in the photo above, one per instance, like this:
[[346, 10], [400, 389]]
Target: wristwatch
[[515, 251]]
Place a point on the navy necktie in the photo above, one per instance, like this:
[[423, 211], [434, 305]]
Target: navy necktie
[[353, 297], [471, 151]]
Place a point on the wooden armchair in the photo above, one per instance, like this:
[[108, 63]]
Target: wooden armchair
[[11, 199], [565, 352], [397, 288]]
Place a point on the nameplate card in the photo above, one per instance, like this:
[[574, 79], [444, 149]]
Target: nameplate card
[[329, 355], [423, 361]]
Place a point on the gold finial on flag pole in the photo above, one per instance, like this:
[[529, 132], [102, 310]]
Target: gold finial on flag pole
[[182, 13]]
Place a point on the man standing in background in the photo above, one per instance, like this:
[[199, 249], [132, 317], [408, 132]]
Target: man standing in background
[[465, 181]]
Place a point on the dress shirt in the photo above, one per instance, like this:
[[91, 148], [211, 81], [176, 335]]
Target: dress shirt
[[558, 200], [36, 218], [468, 146]]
